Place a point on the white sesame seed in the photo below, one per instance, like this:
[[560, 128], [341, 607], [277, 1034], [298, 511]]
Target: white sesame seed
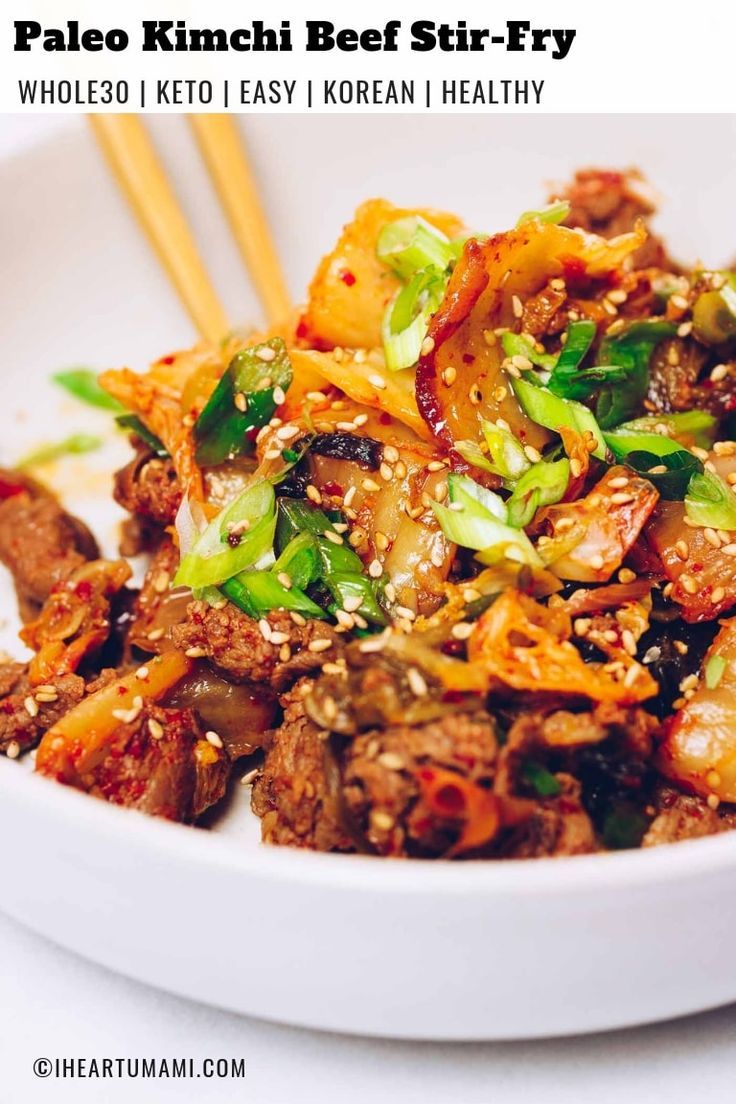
[[462, 630], [195, 653], [297, 618], [719, 373], [517, 306], [265, 354], [321, 644], [333, 537], [285, 579], [352, 603], [13, 749], [360, 419], [155, 634], [405, 612], [315, 396], [213, 738], [155, 729], [349, 495], [142, 673], [346, 427], [417, 682], [685, 329], [386, 472], [449, 376], [377, 381], [344, 618], [621, 498], [375, 570], [370, 485], [619, 482], [287, 432], [596, 561], [313, 494], [241, 402], [265, 628], [532, 454]]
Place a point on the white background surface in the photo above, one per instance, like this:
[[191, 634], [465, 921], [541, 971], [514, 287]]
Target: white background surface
[[53, 1004]]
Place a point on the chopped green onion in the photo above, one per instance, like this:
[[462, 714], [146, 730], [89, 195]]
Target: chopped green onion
[[673, 483], [571, 381], [697, 424], [710, 501], [299, 561], [554, 413], [714, 315], [714, 669], [631, 352], [623, 827], [83, 384], [338, 567], [235, 540], [350, 584], [406, 318], [242, 402], [554, 213], [133, 423], [540, 779], [75, 445], [480, 523], [507, 453], [296, 516], [520, 345], [412, 243], [622, 441], [543, 485], [257, 592], [462, 489], [473, 454]]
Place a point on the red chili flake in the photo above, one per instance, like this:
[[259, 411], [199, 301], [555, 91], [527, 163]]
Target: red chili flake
[[8, 489], [695, 568], [301, 329], [453, 697], [468, 358], [83, 590], [385, 419], [234, 539], [167, 360], [333, 488], [453, 648], [347, 277], [122, 690]]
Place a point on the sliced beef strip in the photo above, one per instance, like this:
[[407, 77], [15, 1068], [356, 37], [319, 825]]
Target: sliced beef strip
[[161, 765], [235, 643], [683, 816], [149, 487], [40, 543], [381, 790], [294, 794], [23, 717]]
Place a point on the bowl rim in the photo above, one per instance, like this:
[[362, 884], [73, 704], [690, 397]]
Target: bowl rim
[[181, 844]]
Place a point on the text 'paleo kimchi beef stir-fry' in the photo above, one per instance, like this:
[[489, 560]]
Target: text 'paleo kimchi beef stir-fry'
[[443, 566]]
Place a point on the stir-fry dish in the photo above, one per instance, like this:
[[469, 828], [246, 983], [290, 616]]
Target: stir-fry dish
[[441, 567]]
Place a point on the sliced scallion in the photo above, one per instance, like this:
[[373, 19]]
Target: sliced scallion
[[714, 669], [553, 213], [520, 345], [554, 413], [506, 452], [543, 485], [412, 243], [233, 541], [710, 501], [83, 384]]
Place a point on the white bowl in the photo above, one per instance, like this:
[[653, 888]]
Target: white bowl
[[403, 949]]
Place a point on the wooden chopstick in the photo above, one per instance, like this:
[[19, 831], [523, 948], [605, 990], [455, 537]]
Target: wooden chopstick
[[226, 160], [143, 180]]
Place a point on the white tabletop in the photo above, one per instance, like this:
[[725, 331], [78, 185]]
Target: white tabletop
[[53, 1004]]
